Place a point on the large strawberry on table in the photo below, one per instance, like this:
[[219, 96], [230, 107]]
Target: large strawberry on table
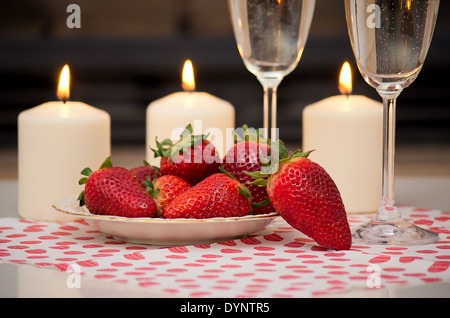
[[304, 194]]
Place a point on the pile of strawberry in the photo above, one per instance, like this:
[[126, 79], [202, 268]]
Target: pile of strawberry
[[192, 181]]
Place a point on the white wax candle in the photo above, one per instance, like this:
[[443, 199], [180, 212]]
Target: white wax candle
[[346, 133], [168, 116], [56, 142]]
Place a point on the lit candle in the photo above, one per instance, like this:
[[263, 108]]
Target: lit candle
[[346, 132], [56, 141], [168, 116]]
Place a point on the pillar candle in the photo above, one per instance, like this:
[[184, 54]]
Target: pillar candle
[[346, 134], [169, 115], [56, 140]]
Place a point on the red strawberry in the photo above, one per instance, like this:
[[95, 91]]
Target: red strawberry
[[164, 189], [216, 196], [142, 172], [245, 157], [115, 191], [304, 194], [192, 158]]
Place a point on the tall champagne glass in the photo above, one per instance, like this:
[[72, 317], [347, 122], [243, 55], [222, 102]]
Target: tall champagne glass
[[271, 36], [390, 40]]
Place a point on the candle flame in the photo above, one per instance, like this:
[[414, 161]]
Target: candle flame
[[63, 92], [345, 79], [188, 82]]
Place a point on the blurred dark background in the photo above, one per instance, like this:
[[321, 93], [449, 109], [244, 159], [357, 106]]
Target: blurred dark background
[[129, 53]]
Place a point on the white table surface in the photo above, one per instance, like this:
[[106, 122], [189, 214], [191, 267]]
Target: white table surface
[[30, 281]]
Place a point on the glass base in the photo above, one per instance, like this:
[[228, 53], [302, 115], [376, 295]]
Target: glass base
[[393, 233]]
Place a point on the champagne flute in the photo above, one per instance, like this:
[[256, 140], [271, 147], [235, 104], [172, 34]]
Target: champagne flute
[[390, 40], [271, 36]]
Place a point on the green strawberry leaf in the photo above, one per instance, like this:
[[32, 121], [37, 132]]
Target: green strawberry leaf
[[282, 151], [106, 164], [258, 182], [163, 148], [249, 134], [261, 204], [245, 191], [149, 184], [300, 154], [259, 178], [81, 198], [146, 163], [222, 169], [168, 149], [86, 172], [187, 142], [187, 131], [257, 174]]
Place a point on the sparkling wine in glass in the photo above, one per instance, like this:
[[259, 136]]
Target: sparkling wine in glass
[[390, 40], [271, 36]]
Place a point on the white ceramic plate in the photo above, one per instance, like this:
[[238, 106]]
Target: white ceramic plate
[[167, 232]]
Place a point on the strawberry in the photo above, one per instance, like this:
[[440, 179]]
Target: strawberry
[[164, 189], [142, 172], [192, 158], [245, 156], [305, 195], [115, 191], [216, 196]]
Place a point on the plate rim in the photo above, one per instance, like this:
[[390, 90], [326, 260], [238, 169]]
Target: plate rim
[[87, 214]]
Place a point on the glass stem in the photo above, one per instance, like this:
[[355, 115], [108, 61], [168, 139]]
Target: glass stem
[[270, 110], [270, 86], [388, 211]]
